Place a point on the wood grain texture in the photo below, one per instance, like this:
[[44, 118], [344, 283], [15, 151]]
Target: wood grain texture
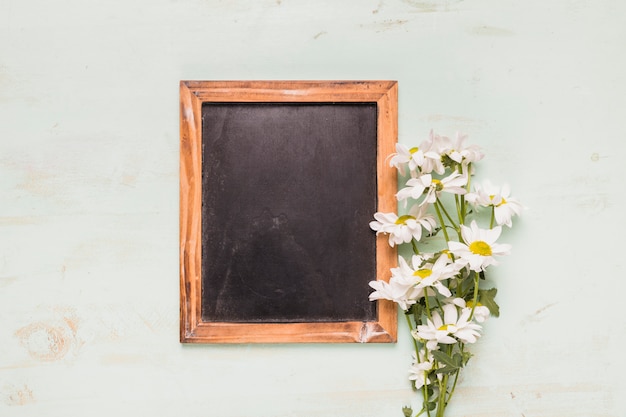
[[192, 94]]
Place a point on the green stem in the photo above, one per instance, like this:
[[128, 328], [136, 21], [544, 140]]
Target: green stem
[[443, 208], [456, 375], [443, 224], [493, 216], [438, 303], [443, 389], [417, 358], [415, 249], [468, 188], [421, 412], [458, 199], [427, 303], [441, 406], [456, 378], [475, 296], [439, 204], [417, 350]]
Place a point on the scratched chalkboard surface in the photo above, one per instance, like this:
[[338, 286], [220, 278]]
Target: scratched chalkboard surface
[[288, 191]]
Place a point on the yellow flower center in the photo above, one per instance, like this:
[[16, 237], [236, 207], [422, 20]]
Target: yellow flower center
[[403, 219], [438, 185], [423, 273], [502, 200], [413, 150], [480, 248], [470, 304], [444, 327]]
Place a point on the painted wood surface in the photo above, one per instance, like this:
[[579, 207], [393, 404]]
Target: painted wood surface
[[89, 185]]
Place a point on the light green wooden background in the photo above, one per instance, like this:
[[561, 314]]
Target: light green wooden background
[[89, 199]]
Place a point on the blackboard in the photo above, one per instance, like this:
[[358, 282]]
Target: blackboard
[[279, 181]]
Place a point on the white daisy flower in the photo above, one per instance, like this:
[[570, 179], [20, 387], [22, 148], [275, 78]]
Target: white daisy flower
[[401, 288], [425, 275], [462, 327], [404, 228], [433, 158], [453, 184], [481, 312], [432, 187], [411, 157], [420, 369], [448, 330], [415, 187], [396, 291], [458, 152], [479, 247], [504, 206], [437, 330]]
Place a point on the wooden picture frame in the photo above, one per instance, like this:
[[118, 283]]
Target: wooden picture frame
[[214, 117]]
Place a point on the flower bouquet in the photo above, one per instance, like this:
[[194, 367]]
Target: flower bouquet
[[439, 283]]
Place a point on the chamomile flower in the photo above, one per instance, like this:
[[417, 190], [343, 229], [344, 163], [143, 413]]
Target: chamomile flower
[[433, 158], [453, 184], [479, 246], [402, 229], [415, 187], [400, 289], [481, 312], [420, 369], [462, 327], [460, 153], [405, 295], [449, 329], [403, 157], [426, 274], [504, 206], [432, 187], [435, 331]]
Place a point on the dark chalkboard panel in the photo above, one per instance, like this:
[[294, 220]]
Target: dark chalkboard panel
[[279, 181], [288, 191]]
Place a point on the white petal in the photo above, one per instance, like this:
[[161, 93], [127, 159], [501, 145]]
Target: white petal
[[450, 314]]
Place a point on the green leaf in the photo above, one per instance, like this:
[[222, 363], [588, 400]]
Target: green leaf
[[430, 406], [447, 370], [466, 357], [418, 310], [445, 359], [409, 311], [458, 359], [487, 298]]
